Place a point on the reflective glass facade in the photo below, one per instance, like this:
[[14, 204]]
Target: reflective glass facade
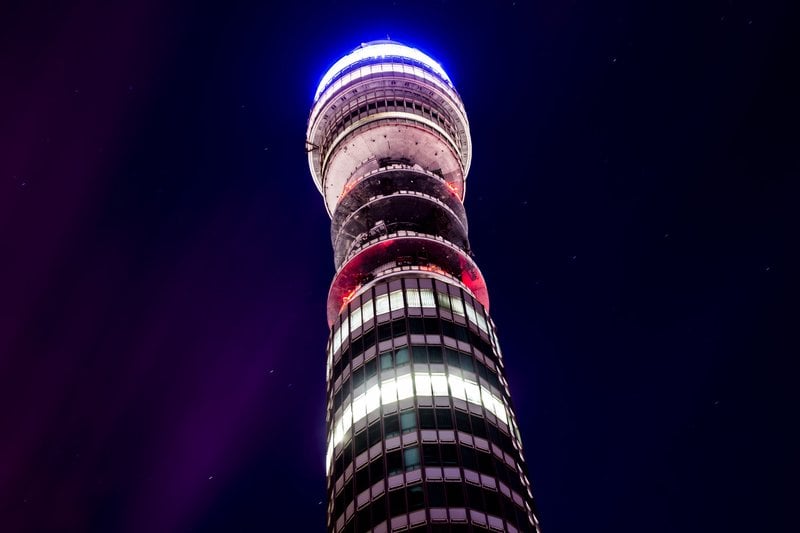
[[421, 433]]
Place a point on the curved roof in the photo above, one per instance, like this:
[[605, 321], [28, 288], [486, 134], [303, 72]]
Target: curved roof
[[376, 50]]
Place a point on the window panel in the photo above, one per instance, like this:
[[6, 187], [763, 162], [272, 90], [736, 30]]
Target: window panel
[[416, 498], [396, 300], [405, 387], [455, 496], [422, 380], [430, 453], [359, 407], [457, 305], [388, 391], [427, 298], [401, 356], [374, 433], [367, 312], [412, 296], [436, 495], [444, 419], [443, 299], [435, 354], [408, 421], [457, 387], [355, 319], [394, 463], [373, 398], [449, 454], [386, 361], [397, 502], [411, 458], [382, 304], [439, 384], [391, 426]]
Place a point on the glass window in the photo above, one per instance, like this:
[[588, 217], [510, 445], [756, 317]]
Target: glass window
[[405, 387], [430, 452], [443, 419], [478, 426], [408, 421], [443, 299], [394, 462], [431, 326], [449, 454], [427, 298], [436, 494], [369, 339], [456, 386], [386, 361], [388, 391], [415, 326], [474, 497], [411, 458], [391, 426], [419, 354], [435, 354], [399, 327], [384, 332], [426, 419], [471, 314], [378, 510], [448, 329], [374, 433], [358, 377], [416, 498], [397, 502], [362, 479], [462, 421], [485, 463], [361, 442], [468, 458], [382, 304], [455, 496], [357, 346], [376, 470], [401, 356], [367, 313], [422, 380], [347, 455], [457, 305], [355, 319], [452, 357], [396, 300], [371, 368], [412, 295], [439, 384]]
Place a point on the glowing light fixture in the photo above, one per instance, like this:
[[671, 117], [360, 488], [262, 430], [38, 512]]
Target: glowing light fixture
[[378, 51]]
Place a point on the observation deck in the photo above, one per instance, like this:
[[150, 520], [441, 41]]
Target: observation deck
[[386, 102]]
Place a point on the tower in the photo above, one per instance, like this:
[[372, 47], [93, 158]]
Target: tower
[[421, 432]]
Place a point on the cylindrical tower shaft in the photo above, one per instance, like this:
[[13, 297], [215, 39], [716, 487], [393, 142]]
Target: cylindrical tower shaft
[[421, 431]]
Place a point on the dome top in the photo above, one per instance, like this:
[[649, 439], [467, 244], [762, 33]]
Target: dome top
[[377, 50]]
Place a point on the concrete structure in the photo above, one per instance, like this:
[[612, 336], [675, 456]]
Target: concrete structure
[[421, 432]]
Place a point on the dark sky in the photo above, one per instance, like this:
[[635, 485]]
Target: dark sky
[[164, 256]]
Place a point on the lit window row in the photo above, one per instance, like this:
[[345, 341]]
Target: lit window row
[[393, 301], [402, 387]]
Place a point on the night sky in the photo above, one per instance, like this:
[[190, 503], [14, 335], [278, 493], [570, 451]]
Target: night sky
[[165, 256]]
